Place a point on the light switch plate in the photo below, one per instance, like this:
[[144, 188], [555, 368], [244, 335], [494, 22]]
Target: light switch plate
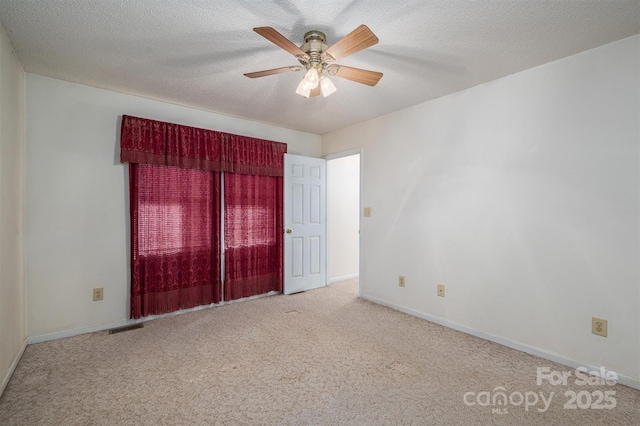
[[401, 280]]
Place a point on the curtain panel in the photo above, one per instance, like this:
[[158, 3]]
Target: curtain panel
[[160, 143], [175, 239], [253, 235]]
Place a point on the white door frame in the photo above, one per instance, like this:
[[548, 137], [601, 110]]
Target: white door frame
[[341, 154]]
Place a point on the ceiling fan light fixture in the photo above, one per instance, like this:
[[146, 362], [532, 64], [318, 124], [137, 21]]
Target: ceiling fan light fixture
[[311, 78], [303, 90], [327, 87]]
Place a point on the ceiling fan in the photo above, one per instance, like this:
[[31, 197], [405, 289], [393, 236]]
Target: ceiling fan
[[317, 59]]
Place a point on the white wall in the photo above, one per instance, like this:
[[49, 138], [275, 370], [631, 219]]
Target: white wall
[[522, 197], [343, 205], [77, 197], [12, 200]]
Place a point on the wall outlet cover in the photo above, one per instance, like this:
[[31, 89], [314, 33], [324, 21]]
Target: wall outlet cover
[[599, 326], [98, 294]]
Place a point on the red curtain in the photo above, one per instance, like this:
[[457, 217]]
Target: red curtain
[[166, 144], [175, 238], [175, 214], [253, 235]]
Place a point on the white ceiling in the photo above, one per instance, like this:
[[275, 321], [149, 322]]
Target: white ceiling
[[194, 52]]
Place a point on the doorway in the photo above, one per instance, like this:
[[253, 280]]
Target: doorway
[[343, 215]]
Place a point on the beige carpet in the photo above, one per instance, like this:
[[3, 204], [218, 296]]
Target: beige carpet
[[321, 357]]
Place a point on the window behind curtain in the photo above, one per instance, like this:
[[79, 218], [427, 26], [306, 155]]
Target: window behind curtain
[[253, 239], [175, 219], [175, 214]]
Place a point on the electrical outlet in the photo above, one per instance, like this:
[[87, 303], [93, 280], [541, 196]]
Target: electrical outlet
[[367, 212], [599, 326], [401, 280], [98, 294], [441, 290]]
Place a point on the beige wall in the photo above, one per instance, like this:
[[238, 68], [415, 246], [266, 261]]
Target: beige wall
[[12, 205], [522, 197], [77, 198]]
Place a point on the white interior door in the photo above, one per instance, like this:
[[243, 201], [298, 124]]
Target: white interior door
[[305, 223]]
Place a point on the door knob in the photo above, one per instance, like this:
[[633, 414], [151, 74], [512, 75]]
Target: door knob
[[289, 231]]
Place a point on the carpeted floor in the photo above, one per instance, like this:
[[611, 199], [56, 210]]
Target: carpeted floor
[[320, 357]]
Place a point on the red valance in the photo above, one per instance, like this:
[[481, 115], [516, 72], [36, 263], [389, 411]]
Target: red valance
[[159, 143]]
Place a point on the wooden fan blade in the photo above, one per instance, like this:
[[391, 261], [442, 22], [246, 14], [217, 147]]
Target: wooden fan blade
[[370, 78], [279, 40], [272, 72], [315, 92], [355, 41]]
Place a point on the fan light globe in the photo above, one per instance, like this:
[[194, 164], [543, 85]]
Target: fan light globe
[[311, 78], [327, 87], [303, 90]]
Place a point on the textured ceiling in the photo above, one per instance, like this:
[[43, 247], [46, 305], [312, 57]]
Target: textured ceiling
[[194, 52]]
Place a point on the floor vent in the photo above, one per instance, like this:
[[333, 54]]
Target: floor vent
[[125, 328]]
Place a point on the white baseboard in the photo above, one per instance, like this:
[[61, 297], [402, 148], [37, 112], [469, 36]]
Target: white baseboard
[[84, 330], [77, 331], [12, 367], [346, 277], [632, 382]]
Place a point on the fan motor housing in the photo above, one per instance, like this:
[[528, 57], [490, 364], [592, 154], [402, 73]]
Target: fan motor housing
[[314, 44]]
